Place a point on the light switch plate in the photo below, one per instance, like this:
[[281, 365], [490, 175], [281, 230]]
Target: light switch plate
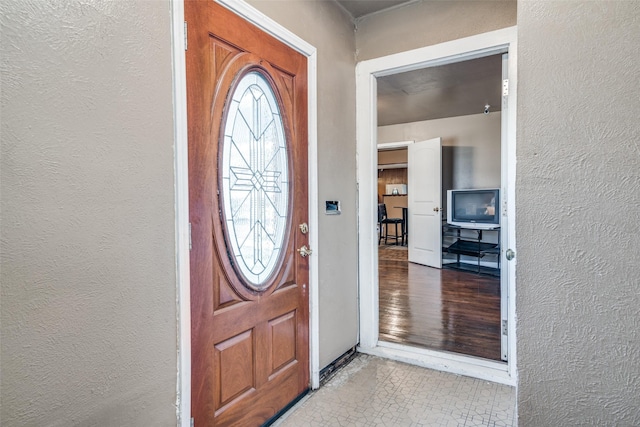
[[332, 207]]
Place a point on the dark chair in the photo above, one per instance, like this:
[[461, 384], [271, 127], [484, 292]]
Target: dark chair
[[383, 225], [405, 218]]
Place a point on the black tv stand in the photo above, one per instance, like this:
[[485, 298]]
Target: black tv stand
[[471, 244]]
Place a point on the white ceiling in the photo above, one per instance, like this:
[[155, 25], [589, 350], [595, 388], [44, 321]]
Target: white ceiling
[[360, 8], [450, 90]]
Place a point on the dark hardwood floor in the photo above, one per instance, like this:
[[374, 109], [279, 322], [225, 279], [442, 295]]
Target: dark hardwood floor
[[437, 309]]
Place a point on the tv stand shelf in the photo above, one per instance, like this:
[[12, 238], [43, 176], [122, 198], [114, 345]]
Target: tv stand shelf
[[471, 245], [470, 248]]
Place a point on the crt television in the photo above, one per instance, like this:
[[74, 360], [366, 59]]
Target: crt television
[[474, 208]]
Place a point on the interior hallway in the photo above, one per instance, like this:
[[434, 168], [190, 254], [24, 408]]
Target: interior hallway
[[371, 391]]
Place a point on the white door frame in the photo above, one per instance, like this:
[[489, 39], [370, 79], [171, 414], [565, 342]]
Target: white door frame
[[257, 18], [477, 46]]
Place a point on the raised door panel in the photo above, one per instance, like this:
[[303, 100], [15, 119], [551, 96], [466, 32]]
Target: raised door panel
[[235, 368], [282, 342]]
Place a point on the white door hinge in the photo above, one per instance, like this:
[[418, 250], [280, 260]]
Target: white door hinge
[[185, 35], [505, 86], [190, 245], [505, 327], [192, 422]]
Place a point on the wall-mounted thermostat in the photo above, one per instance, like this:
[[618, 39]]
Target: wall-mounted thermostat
[[332, 207]]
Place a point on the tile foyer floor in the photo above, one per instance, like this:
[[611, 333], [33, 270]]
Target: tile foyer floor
[[371, 391]]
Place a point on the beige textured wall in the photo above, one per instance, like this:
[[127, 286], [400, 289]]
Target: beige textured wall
[[88, 281], [430, 22], [326, 27], [470, 147], [578, 210]]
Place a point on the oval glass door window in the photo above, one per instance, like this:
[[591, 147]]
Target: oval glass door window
[[255, 180]]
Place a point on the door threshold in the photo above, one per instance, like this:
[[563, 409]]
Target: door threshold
[[470, 366], [287, 410]]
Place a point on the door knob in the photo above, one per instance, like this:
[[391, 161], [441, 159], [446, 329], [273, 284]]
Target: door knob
[[305, 251], [436, 209], [510, 254]]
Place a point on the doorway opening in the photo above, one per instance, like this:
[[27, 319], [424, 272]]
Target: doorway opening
[[440, 289], [369, 72]]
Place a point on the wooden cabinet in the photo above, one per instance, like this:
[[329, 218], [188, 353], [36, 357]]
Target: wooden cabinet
[[387, 177]]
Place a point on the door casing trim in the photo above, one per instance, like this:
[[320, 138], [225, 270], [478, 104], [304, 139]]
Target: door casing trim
[[494, 42], [181, 185], [183, 301]]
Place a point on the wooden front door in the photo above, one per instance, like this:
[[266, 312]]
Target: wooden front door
[[247, 122]]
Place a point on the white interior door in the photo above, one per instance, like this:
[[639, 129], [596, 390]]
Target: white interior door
[[424, 189]]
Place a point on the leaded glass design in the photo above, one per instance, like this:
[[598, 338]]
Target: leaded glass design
[[255, 180]]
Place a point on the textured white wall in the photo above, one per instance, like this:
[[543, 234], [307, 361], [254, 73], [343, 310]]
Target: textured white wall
[[88, 281], [578, 210], [325, 26]]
